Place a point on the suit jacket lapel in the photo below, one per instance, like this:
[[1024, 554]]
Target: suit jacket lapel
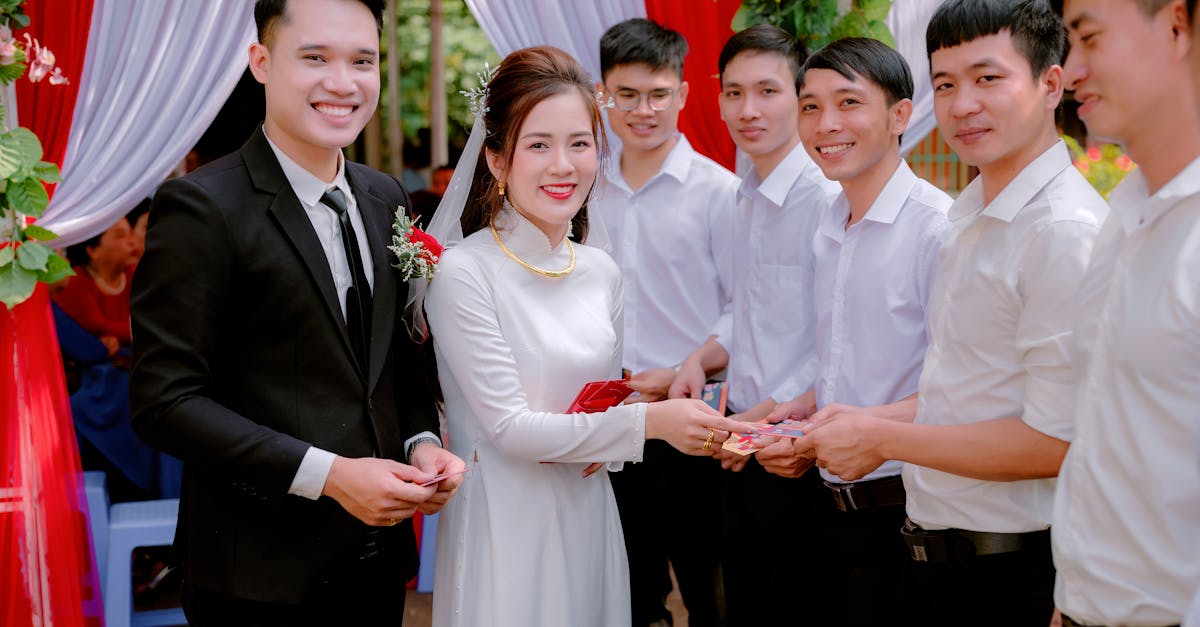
[[289, 214], [377, 218]]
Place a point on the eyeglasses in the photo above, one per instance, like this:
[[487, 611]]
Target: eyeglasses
[[658, 99]]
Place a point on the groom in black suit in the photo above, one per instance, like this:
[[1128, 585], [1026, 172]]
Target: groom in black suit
[[269, 352]]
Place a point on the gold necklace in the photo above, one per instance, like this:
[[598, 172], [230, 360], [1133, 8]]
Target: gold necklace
[[554, 274]]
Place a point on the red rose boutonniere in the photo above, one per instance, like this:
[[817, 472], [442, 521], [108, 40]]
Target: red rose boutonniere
[[417, 252]]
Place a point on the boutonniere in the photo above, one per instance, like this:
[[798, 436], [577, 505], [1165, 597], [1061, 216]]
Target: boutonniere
[[417, 252]]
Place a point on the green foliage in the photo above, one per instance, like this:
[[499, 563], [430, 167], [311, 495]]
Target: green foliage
[[466, 50], [1103, 166], [23, 259], [12, 14], [818, 22]]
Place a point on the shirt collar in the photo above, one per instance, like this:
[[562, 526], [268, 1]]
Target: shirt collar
[[892, 197], [676, 165], [1136, 208], [884, 210], [780, 181], [309, 189], [522, 236], [1017, 194]]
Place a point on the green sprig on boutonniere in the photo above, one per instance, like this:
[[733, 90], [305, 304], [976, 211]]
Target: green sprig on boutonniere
[[417, 252]]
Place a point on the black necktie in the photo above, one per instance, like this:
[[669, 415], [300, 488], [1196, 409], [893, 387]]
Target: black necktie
[[358, 295]]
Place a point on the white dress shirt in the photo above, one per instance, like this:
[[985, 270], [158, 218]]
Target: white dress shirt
[[1000, 321], [872, 284], [670, 238], [310, 477], [769, 331], [1127, 517]]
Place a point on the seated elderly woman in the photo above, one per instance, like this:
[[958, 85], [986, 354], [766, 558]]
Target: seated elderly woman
[[91, 314]]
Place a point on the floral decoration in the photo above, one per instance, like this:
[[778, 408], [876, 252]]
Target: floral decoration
[[417, 252], [25, 259]]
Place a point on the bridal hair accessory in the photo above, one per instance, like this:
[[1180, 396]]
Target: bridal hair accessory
[[417, 252], [605, 103], [478, 95]]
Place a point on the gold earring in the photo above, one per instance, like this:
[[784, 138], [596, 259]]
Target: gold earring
[[501, 188]]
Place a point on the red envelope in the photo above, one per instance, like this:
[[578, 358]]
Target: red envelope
[[598, 396]]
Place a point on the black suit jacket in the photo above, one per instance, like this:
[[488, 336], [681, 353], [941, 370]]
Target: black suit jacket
[[242, 361]]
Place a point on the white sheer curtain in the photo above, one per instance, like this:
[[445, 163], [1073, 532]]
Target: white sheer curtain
[[908, 19], [575, 27], [157, 73]]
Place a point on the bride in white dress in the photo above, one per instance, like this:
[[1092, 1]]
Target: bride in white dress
[[521, 318]]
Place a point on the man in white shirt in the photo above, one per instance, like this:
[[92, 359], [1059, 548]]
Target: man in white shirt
[[994, 416], [875, 258], [667, 210], [767, 337], [1127, 514]]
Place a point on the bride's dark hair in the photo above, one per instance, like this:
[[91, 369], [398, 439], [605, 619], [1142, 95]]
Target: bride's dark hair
[[524, 79]]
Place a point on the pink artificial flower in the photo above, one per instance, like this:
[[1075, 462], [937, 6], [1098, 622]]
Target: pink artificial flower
[[57, 78], [40, 62], [8, 51]]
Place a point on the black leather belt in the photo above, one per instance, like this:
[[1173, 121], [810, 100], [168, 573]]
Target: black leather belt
[[959, 545], [1067, 621], [853, 497]]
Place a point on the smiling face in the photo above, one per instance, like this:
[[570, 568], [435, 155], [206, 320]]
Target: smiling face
[[553, 163], [1108, 37], [848, 127], [758, 104], [990, 108], [321, 78], [644, 129]]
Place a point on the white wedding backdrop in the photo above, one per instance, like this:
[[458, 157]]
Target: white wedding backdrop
[[155, 77], [157, 73]]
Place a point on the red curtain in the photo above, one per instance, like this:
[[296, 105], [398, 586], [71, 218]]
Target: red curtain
[[42, 108], [705, 25], [47, 569]]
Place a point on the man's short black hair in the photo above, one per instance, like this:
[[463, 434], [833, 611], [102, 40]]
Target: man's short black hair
[[268, 13], [645, 42], [1037, 33], [765, 38], [860, 57]]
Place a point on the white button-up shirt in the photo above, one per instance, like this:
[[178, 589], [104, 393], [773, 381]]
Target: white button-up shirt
[[1127, 516], [671, 239], [1000, 322], [310, 477], [872, 285], [309, 189], [770, 330]]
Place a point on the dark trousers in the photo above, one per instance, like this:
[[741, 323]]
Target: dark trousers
[[1003, 590], [769, 548], [668, 516], [370, 596], [867, 564]]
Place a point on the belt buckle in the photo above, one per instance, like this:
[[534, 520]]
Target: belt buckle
[[843, 496], [915, 539]]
